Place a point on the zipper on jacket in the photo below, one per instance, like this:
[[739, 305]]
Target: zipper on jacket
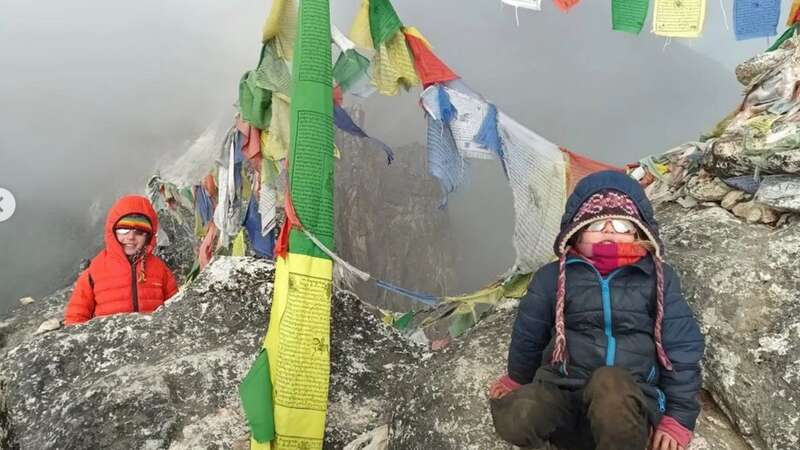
[[605, 291], [134, 288], [662, 401], [611, 346]]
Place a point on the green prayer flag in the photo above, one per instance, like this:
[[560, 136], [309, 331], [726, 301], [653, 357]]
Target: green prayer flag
[[463, 319], [786, 35], [272, 72], [350, 68], [255, 103], [383, 21], [255, 393], [517, 286], [311, 153], [194, 271], [629, 15], [404, 321]]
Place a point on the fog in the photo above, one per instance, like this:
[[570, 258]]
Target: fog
[[96, 95]]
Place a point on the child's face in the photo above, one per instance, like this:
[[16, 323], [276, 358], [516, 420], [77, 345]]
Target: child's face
[[132, 241], [608, 230]]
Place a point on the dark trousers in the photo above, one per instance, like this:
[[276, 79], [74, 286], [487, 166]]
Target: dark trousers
[[609, 413]]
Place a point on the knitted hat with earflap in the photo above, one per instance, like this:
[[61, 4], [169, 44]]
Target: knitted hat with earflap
[[135, 221], [599, 196]]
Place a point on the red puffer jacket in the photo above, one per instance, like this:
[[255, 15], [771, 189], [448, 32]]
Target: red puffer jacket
[[112, 284]]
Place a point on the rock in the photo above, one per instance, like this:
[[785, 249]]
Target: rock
[[780, 192], [741, 282], [747, 209], [22, 321], [732, 198], [445, 403], [377, 439], [761, 63], [687, 202], [714, 430], [705, 189], [26, 300], [48, 325], [170, 379], [769, 215], [754, 212], [784, 219], [727, 158]]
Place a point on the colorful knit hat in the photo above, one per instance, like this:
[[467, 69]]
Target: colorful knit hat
[[136, 222], [605, 204]]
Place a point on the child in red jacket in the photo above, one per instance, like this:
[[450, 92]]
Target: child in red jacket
[[125, 276]]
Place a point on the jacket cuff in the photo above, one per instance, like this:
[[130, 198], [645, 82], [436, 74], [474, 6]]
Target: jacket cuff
[[676, 431], [506, 381]]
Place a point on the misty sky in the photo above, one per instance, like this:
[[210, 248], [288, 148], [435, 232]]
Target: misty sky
[[96, 94]]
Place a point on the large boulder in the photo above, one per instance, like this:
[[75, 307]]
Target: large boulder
[[742, 281], [169, 379], [727, 158]]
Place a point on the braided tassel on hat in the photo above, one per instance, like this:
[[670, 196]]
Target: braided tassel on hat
[[560, 354], [662, 355]]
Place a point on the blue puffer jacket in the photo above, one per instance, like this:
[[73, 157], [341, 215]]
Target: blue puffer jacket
[[610, 320]]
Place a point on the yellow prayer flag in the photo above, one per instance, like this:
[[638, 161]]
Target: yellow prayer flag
[[393, 66], [281, 24], [679, 18], [360, 33], [273, 22], [238, 245], [255, 445], [277, 144], [299, 321]]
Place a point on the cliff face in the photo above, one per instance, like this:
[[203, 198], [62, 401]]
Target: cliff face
[[387, 220]]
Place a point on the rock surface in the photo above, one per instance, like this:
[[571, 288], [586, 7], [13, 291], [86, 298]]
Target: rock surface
[[728, 159], [741, 280], [169, 379]]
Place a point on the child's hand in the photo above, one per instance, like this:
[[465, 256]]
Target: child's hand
[[663, 441], [498, 390]]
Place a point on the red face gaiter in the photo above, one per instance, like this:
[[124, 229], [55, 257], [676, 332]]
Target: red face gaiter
[[606, 257]]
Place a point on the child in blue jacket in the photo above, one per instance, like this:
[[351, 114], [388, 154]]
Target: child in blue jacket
[[605, 351]]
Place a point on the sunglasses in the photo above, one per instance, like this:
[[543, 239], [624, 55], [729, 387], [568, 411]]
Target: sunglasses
[[619, 226], [127, 231]]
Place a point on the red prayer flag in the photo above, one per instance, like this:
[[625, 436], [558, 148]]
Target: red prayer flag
[[430, 68], [580, 166], [566, 5]]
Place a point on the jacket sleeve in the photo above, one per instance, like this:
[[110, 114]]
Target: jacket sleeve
[[684, 344], [80, 307], [170, 285], [532, 330]]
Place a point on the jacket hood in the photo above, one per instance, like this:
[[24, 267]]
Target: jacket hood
[[131, 204], [603, 181]]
